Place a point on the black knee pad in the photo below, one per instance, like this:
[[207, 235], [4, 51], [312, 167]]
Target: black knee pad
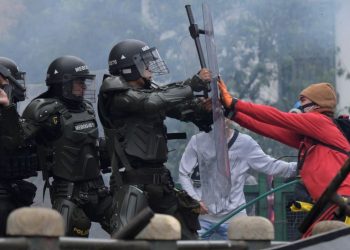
[[76, 222]]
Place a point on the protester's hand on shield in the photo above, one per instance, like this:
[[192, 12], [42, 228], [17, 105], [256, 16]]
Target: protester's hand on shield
[[202, 209], [226, 98], [4, 100]]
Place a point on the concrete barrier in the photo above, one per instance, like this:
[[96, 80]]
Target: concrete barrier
[[326, 226], [42, 227], [162, 232], [256, 231], [161, 227], [35, 221]]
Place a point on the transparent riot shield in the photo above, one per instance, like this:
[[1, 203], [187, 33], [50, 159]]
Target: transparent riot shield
[[215, 178]]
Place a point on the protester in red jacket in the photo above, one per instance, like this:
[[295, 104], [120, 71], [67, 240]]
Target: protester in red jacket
[[307, 131]]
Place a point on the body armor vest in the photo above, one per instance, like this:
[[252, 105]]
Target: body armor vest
[[74, 155], [136, 117], [143, 138]]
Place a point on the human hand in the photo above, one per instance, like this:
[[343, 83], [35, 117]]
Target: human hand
[[205, 75], [206, 103], [4, 100], [203, 209], [226, 97]]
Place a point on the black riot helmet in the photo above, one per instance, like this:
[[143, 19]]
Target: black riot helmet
[[9, 70], [65, 73], [132, 58], [13, 68]]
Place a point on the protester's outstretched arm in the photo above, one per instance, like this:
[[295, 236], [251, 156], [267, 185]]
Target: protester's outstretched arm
[[282, 135], [306, 124]]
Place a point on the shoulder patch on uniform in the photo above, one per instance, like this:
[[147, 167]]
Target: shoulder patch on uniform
[[41, 109], [54, 119]]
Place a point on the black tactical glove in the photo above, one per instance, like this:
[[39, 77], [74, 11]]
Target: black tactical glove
[[11, 135], [195, 113], [197, 84]]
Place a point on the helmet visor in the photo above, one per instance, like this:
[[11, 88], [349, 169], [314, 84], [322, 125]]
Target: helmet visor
[[17, 79], [79, 88], [151, 61], [20, 76]]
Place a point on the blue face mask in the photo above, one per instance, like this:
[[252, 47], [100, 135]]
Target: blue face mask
[[297, 105], [296, 108]]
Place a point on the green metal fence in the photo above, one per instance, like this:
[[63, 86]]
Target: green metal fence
[[285, 222], [253, 191]]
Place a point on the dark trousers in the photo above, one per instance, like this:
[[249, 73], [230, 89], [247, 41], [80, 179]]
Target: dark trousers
[[82, 202], [163, 199], [14, 194]]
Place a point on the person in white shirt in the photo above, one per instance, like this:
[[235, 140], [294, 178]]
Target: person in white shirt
[[244, 154]]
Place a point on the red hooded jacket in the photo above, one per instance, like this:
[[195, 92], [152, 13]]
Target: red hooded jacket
[[301, 131]]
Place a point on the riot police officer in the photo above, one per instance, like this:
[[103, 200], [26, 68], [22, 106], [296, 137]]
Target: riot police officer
[[132, 109], [16, 163], [64, 126]]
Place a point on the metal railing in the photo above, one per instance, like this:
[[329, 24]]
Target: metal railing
[[263, 211]]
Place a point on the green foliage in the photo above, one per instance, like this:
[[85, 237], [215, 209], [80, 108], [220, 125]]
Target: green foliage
[[291, 42]]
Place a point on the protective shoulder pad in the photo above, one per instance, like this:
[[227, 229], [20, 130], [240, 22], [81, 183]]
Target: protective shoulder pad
[[113, 83], [40, 109]]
